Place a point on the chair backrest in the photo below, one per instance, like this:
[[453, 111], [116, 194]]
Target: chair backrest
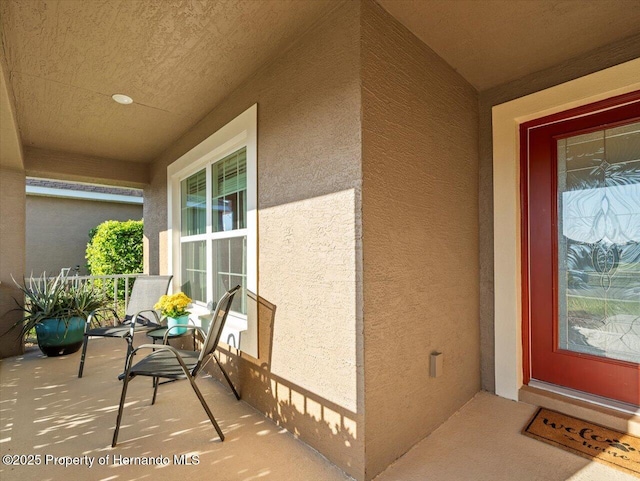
[[146, 291], [216, 326]]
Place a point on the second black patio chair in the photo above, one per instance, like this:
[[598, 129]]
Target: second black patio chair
[[166, 362], [139, 315]]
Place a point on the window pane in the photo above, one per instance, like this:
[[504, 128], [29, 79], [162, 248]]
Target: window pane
[[194, 204], [230, 269], [599, 243], [229, 185], [194, 270]]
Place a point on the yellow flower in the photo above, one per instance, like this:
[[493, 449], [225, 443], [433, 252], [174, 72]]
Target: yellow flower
[[174, 305]]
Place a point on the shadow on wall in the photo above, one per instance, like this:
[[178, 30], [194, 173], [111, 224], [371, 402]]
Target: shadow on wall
[[312, 418]]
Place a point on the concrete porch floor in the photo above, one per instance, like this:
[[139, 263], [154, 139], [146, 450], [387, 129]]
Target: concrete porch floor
[[45, 409]]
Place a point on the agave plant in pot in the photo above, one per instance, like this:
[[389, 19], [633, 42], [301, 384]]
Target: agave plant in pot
[[57, 308]]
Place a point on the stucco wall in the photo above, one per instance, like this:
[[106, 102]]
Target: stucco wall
[[309, 375], [420, 238], [594, 61], [58, 230], [12, 257], [51, 164]]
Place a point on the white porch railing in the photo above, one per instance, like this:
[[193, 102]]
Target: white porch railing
[[110, 286]]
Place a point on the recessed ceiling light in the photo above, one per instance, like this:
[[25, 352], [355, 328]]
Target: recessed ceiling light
[[122, 99]]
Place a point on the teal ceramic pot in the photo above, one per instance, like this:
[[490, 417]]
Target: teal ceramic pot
[[172, 321], [57, 337]]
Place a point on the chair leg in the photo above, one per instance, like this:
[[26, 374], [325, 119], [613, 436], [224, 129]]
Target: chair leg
[[84, 353], [120, 409], [206, 407], [226, 376], [129, 349], [155, 390]]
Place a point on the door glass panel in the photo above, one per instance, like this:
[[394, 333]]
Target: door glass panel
[[599, 243]]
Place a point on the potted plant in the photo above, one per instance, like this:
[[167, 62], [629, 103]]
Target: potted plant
[[57, 308], [174, 308]]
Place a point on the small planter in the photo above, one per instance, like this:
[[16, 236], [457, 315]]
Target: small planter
[[57, 337], [173, 321]]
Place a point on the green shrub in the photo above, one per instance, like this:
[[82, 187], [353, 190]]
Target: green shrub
[[115, 248]]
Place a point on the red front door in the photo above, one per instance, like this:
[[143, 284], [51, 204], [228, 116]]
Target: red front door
[[581, 245]]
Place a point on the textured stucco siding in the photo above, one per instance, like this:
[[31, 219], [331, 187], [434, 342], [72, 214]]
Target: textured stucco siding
[[58, 230], [309, 374], [12, 257], [420, 238], [12, 209], [594, 61], [12, 224], [84, 168]]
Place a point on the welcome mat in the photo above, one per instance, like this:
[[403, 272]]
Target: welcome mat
[[619, 450]]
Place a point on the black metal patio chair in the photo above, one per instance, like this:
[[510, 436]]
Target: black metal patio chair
[[167, 362], [139, 315]]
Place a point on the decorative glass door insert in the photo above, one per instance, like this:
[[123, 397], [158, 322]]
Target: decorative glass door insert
[[599, 243], [581, 248]]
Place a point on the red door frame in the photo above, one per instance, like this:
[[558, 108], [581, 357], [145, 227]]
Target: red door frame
[[582, 118]]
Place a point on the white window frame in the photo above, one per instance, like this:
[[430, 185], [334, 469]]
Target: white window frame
[[240, 132]]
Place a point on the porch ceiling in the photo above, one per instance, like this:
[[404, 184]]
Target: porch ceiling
[[490, 42], [178, 61]]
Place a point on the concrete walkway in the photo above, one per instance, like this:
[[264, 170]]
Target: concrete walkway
[[47, 411], [482, 442]]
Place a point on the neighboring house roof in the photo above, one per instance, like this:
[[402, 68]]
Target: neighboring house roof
[[74, 190]]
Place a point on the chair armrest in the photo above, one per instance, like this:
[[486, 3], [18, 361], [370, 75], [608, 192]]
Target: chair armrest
[[92, 316], [134, 320], [152, 311], [156, 347]]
